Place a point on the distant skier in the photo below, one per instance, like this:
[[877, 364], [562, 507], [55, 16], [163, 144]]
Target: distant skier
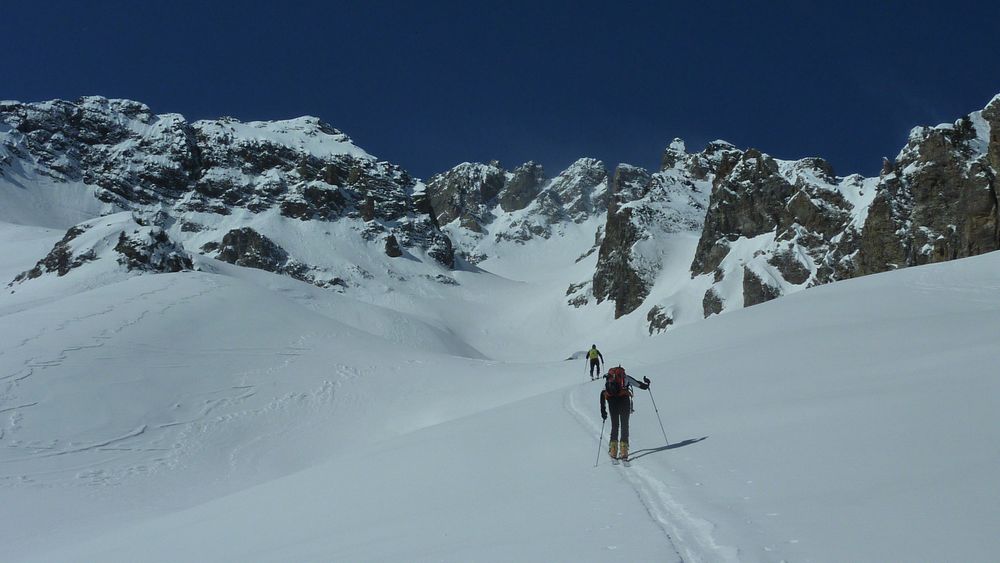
[[617, 395], [596, 359]]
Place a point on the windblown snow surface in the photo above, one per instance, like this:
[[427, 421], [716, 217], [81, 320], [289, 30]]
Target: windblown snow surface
[[229, 414]]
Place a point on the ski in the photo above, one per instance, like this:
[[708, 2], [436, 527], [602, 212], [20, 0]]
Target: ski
[[614, 461], [627, 462]]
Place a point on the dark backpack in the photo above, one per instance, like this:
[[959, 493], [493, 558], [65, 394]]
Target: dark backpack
[[615, 384]]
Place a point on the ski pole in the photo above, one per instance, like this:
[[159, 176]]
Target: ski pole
[[658, 416], [599, 442]]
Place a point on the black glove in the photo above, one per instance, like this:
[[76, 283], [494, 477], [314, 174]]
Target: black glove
[[646, 381], [604, 415]]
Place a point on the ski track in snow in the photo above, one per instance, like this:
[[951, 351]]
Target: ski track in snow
[[113, 444], [32, 363], [690, 537], [183, 438]]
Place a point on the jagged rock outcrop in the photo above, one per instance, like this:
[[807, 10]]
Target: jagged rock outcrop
[[131, 246], [60, 260], [151, 250], [246, 247]]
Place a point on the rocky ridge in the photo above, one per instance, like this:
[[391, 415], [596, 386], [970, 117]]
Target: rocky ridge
[[774, 227], [247, 193], [766, 227]]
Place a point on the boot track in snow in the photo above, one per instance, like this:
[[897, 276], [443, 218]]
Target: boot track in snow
[[689, 536]]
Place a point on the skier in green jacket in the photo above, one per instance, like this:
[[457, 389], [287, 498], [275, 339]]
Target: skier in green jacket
[[595, 358]]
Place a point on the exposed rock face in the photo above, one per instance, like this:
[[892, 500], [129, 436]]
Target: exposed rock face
[[473, 194], [467, 193], [525, 183], [302, 169], [616, 278], [939, 201]]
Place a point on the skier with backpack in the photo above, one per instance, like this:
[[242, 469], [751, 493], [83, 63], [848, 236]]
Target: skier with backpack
[[617, 396], [595, 358]]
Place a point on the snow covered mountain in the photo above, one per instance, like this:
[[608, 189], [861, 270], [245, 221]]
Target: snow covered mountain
[[260, 194], [228, 341]]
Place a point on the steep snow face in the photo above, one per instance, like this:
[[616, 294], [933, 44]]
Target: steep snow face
[[307, 134], [647, 211]]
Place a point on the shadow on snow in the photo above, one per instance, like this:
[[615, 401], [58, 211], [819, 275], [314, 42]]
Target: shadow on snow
[[646, 451]]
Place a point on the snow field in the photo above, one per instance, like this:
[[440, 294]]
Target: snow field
[[234, 415]]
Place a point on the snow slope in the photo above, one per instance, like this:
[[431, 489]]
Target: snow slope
[[235, 415]]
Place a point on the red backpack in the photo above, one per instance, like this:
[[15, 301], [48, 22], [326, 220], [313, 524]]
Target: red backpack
[[616, 382]]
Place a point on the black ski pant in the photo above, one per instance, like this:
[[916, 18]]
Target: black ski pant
[[595, 367], [619, 409]]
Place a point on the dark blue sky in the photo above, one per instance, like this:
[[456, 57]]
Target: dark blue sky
[[429, 85]]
